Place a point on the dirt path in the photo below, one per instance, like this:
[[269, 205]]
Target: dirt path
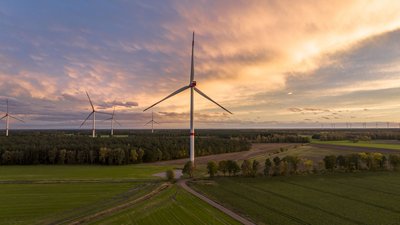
[[355, 148], [230, 213], [109, 211], [256, 150]]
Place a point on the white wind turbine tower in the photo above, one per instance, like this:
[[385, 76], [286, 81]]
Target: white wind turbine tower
[[152, 121], [7, 116], [192, 87], [112, 118], [94, 117]]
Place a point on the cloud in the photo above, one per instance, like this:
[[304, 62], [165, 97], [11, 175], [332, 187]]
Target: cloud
[[248, 55]]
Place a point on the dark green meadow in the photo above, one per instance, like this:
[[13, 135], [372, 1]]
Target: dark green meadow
[[356, 198]]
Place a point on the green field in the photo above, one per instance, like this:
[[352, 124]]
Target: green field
[[363, 198], [172, 206], [80, 172], [370, 144], [44, 194]]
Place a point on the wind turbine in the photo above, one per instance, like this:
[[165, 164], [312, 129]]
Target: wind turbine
[[94, 116], [112, 118], [152, 121], [192, 87], [7, 116]]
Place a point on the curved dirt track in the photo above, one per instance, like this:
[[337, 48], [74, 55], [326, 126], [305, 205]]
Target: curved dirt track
[[228, 212], [256, 150]]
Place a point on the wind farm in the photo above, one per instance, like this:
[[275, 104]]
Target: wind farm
[[287, 112]]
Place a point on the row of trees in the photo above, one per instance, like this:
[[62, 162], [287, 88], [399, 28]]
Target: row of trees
[[295, 165], [362, 161], [111, 151]]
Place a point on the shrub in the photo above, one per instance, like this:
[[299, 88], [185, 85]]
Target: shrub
[[188, 169], [170, 174], [212, 168]]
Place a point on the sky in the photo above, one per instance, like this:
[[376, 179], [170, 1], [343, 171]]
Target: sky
[[274, 64]]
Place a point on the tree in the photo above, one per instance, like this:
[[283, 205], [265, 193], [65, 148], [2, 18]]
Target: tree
[[246, 168], [212, 168], [308, 165], [6, 158], [222, 166], [103, 155], [255, 168], [277, 169], [267, 167], [341, 161], [61, 156], [394, 161], [170, 174], [330, 162], [52, 155], [233, 167], [133, 157], [140, 153], [188, 169]]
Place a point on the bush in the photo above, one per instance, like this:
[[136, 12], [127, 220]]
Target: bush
[[170, 174], [212, 168], [188, 169]]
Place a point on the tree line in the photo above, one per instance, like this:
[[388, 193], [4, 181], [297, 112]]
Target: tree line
[[290, 165], [79, 149]]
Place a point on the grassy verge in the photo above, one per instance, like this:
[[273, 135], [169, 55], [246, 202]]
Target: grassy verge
[[365, 198]]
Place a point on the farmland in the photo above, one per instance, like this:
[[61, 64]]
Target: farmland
[[45, 194], [367, 144], [173, 206], [359, 198]]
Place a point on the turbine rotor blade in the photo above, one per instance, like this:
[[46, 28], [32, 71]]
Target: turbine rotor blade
[[3, 117], [147, 123], [156, 122], [192, 65], [205, 96], [117, 123], [7, 105], [90, 100], [15, 118], [169, 96], [86, 119]]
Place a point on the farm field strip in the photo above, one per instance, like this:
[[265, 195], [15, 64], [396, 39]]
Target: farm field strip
[[300, 212], [359, 144], [31, 203], [309, 200], [172, 206], [80, 172]]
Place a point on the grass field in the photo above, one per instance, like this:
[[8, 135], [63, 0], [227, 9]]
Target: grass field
[[172, 206], [32, 203], [363, 198], [370, 144], [44, 194], [80, 172]]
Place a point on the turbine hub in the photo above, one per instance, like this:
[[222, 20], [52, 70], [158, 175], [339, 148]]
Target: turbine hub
[[193, 84]]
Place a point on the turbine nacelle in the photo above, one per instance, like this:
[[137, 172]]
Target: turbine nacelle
[[193, 84]]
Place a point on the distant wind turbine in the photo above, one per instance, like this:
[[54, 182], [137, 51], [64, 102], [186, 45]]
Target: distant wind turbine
[[192, 87], [94, 116], [7, 116], [152, 121], [112, 119]]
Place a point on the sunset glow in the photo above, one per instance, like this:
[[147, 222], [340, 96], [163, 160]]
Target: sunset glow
[[272, 63]]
